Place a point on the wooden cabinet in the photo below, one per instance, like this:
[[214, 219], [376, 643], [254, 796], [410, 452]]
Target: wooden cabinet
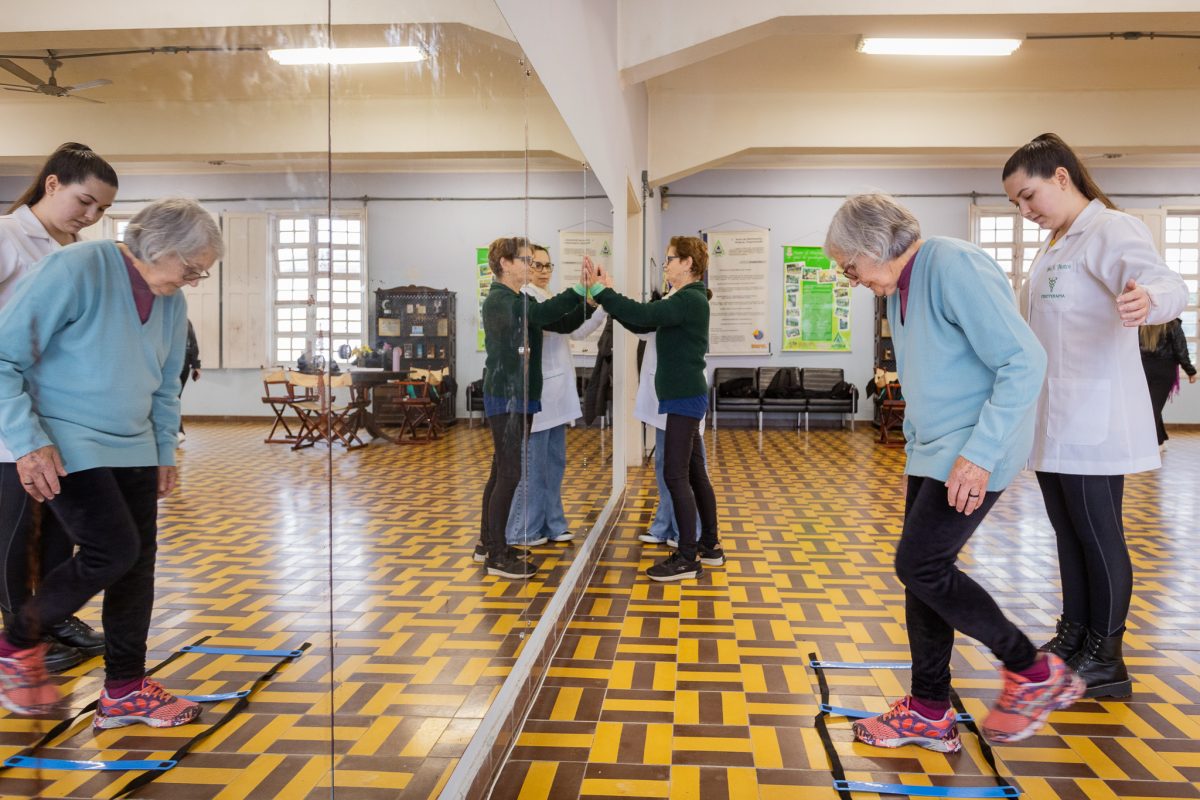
[[418, 322]]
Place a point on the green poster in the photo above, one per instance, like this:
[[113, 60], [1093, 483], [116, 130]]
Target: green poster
[[485, 282], [816, 302]]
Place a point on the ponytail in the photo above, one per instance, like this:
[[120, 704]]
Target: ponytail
[[72, 163], [1045, 154]]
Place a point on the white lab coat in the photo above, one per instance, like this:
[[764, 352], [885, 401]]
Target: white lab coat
[[1094, 415], [24, 242], [560, 399]]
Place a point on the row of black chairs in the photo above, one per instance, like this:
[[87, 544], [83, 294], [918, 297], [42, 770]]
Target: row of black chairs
[[802, 391]]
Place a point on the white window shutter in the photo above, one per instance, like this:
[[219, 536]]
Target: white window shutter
[[245, 288], [1156, 221]]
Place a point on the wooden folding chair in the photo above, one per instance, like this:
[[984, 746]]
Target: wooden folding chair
[[278, 394], [321, 419], [419, 409], [345, 421]]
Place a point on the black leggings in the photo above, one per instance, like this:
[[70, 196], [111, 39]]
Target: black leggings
[[687, 482], [1093, 559], [508, 439], [939, 598], [16, 558], [1160, 377], [111, 513]]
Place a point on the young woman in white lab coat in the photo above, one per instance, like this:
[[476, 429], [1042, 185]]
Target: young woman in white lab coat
[[72, 191], [1094, 281], [537, 514]]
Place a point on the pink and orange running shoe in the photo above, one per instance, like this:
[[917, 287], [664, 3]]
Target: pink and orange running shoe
[[25, 687], [1023, 706], [151, 705], [900, 725]]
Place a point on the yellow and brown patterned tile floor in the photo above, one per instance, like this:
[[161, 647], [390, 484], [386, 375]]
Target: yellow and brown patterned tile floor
[[423, 639], [700, 691]]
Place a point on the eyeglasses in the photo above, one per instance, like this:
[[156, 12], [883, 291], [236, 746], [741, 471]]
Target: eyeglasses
[[542, 266], [850, 270], [669, 259], [191, 273], [527, 259]]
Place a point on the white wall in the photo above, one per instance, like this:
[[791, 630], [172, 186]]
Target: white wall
[[426, 242], [803, 221]]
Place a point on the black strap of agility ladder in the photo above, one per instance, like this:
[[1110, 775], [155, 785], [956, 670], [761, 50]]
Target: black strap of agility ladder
[[835, 762], [146, 777], [984, 748], [186, 747]]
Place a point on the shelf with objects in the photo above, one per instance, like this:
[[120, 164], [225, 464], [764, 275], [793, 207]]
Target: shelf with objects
[[414, 329], [889, 402]]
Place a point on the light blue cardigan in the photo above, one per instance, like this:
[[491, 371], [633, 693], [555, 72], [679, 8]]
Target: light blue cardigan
[[79, 370], [970, 368]]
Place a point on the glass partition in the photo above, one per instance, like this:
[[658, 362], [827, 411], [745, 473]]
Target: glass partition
[[339, 433]]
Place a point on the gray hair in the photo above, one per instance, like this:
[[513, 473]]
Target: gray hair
[[874, 225], [174, 225]]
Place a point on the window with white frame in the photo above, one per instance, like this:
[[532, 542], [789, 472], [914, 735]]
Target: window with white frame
[[1009, 238], [319, 285], [1181, 245]]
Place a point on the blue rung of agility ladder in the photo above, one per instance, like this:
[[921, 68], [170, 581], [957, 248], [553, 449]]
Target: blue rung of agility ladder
[[214, 698], [860, 664], [927, 791], [240, 651], [30, 762], [858, 713]]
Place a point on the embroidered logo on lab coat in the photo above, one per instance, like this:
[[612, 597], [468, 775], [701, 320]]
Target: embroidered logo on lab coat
[[1055, 274]]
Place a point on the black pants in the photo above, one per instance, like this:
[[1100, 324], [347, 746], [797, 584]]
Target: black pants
[[1160, 377], [508, 438], [111, 514], [17, 555], [1093, 559], [183, 379], [688, 483], [939, 598]]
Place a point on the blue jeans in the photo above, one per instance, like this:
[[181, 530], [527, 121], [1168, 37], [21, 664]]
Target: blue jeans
[[664, 526], [537, 508]]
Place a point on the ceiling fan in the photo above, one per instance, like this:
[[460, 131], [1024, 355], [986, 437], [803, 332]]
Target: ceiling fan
[[50, 86]]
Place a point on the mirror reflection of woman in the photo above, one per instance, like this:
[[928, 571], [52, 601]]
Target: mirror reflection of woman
[[537, 514], [71, 192], [680, 321], [1096, 279], [512, 388]]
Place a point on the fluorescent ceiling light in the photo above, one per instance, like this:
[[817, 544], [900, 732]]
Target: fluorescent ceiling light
[[348, 55], [937, 47]]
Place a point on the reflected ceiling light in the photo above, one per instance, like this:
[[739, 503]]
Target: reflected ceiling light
[[937, 47], [348, 55]]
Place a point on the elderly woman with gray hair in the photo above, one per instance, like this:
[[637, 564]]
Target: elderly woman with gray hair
[[91, 348], [972, 371]]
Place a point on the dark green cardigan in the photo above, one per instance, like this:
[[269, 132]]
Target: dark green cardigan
[[681, 321], [504, 327]]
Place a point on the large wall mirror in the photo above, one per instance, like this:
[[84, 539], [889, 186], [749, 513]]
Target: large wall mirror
[[336, 444]]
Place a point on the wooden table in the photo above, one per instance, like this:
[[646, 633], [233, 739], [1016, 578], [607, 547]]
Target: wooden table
[[374, 416]]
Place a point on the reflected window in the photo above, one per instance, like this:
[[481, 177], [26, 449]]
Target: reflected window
[[319, 284]]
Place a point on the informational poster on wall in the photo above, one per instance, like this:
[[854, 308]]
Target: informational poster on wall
[[738, 270], [485, 282], [572, 247], [816, 302]]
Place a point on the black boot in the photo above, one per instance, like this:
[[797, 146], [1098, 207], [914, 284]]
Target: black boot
[[1068, 639], [74, 632], [61, 657], [1101, 665]]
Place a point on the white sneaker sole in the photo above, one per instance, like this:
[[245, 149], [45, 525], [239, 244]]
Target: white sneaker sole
[[683, 576], [713, 562], [107, 723], [512, 576], [563, 537], [936, 745]]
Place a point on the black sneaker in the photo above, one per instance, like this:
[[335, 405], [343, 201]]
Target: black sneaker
[[480, 554], [565, 536], [675, 568], [74, 632], [510, 566], [712, 556]]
